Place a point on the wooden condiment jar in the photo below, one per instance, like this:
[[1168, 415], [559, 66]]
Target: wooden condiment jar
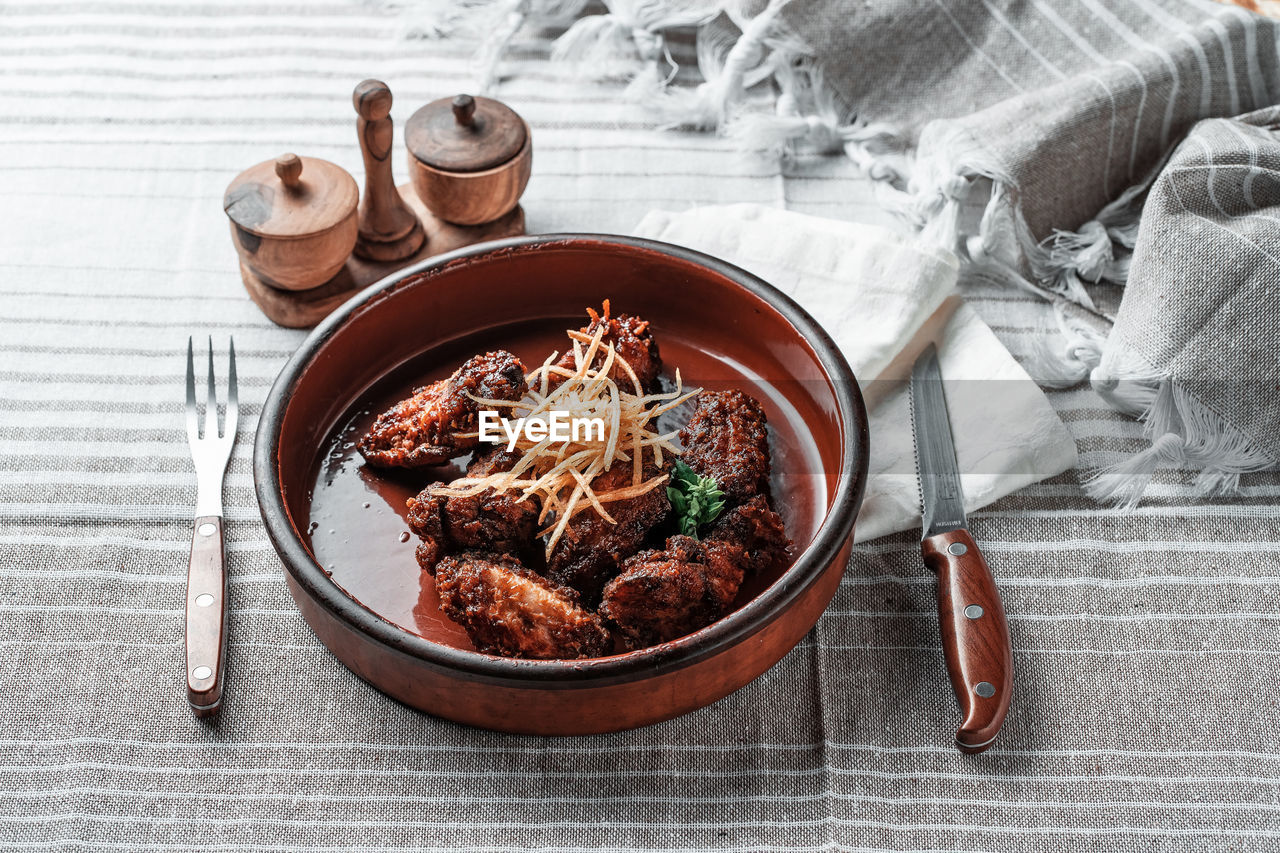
[[293, 220], [307, 242], [469, 158]]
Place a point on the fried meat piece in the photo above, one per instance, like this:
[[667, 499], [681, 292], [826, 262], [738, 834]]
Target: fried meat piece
[[488, 521], [494, 459], [426, 519], [662, 595], [428, 553], [727, 439], [426, 429], [590, 550], [508, 610], [758, 530], [635, 345]]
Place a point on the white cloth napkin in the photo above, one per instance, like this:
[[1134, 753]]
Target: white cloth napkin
[[883, 298]]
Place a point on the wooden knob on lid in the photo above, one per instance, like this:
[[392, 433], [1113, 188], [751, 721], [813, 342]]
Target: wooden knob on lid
[[289, 170], [464, 110]]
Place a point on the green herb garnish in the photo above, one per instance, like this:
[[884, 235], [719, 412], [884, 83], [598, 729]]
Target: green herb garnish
[[697, 501]]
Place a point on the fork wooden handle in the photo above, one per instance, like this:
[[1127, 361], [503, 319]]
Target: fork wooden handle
[[206, 639]]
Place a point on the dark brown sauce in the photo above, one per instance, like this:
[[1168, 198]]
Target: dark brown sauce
[[357, 529]]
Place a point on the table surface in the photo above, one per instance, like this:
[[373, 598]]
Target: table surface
[[1147, 643]]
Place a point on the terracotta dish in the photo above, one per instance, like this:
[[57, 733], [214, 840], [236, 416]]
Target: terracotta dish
[[339, 526]]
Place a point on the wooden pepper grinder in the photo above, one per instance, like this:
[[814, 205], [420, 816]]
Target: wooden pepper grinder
[[389, 230]]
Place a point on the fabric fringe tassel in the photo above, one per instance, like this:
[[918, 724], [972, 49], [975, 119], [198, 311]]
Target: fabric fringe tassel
[[1100, 250], [427, 21], [807, 117], [497, 23], [604, 46], [1059, 265], [1126, 380], [942, 177], [1065, 360], [1005, 238], [1184, 433], [510, 17], [627, 41], [729, 67]]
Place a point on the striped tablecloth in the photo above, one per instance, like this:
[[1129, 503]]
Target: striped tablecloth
[[1148, 643]]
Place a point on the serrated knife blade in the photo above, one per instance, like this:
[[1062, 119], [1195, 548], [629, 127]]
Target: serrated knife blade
[[941, 494], [971, 618]]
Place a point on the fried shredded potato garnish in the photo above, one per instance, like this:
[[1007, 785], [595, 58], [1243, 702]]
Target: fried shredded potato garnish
[[558, 474]]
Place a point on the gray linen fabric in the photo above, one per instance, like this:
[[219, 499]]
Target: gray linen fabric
[[1070, 110], [1209, 235], [1068, 104], [1147, 643]]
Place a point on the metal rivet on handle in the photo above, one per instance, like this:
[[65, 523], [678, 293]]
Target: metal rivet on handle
[[204, 600], [957, 549], [200, 673], [973, 611], [207, 529], [985, 689]]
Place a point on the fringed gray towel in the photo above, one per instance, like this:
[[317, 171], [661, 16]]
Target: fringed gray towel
[[1196, 344], [1063, 114]]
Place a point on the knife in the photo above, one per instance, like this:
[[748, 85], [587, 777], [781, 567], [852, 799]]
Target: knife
[[975, 633]]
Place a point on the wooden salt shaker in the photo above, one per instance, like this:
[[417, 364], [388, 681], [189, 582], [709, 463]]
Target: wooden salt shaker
[[293, 220], [469, 158]]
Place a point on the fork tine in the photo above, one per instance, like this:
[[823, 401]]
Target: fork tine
[[193, 423], [233, 401], [211, 405]]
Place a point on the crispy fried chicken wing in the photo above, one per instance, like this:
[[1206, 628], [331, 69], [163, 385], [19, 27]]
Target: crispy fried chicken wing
[[426, 429], [727, 438], [662, 595], [508, 610], [488, 521], [634, 343], [758, 530], [590, 550]]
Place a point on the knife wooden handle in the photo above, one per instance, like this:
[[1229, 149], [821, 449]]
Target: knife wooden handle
[[975, 636], [206, 634]]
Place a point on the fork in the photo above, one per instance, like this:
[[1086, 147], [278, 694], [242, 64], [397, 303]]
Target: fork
[[206, 625]]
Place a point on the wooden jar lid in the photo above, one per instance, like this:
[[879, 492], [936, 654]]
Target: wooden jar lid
[[291, 197], [465, 134]]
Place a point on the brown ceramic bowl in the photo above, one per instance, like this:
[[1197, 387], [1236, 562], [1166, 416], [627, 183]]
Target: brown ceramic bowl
[[338, 525]]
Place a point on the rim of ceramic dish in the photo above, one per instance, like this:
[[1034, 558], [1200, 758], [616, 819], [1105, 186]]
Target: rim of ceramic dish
[[755, 615]]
